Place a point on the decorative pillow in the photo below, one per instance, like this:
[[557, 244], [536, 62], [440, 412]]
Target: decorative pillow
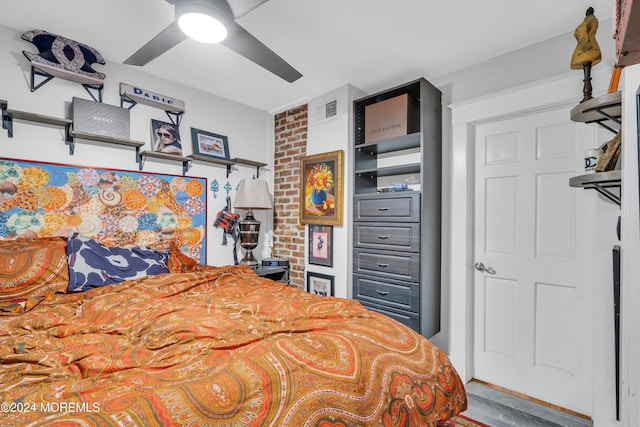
[[32, 268], [179, 262], [92, 264]]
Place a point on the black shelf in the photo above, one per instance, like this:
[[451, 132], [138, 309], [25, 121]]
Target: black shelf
[[391, 170], [405, 142]]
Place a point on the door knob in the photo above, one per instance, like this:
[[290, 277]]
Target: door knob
[[481, 268]]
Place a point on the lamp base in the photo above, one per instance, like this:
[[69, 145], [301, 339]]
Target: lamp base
[[249, 259], [249, 235]]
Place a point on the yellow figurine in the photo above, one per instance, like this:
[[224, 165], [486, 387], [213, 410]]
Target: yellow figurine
[[587, 53]]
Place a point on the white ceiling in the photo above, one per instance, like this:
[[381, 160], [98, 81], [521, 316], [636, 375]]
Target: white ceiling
[[371, 44]]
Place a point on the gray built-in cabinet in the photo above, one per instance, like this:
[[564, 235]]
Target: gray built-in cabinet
[[396, 229]]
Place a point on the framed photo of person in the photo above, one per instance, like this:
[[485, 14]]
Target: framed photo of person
[[209, 144], [321, 245], [320, 284], [166, 137]]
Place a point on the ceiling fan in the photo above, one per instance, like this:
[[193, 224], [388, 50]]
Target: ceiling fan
[[237, 38]]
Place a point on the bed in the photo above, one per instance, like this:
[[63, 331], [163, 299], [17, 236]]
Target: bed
[[198, 345]]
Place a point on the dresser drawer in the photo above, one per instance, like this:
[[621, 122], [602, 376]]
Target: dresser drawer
[[411, 320], [395, 207], [391, 293], [396, 265], [393, 236]]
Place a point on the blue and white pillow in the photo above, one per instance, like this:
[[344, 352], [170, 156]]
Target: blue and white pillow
[[92, 264]]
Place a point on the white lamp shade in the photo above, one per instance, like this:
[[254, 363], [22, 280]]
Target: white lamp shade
[[253, 194]]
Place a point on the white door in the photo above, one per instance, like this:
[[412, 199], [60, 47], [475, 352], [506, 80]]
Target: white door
[[532, 322]]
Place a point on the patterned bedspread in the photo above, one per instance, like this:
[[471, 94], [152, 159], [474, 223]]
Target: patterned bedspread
[[220, 346]]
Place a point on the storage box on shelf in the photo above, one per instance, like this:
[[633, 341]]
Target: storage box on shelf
[[397, 204]]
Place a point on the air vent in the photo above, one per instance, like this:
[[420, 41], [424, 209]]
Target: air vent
[[325, 111]]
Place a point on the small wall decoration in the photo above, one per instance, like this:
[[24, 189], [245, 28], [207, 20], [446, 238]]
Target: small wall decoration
[[321, 178], [135, 94], [114, 207], [320, 284], [63, 57], [209, 144], [321, 245], [166, 137]]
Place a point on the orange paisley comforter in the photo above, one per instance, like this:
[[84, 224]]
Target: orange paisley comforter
[[220, 346]]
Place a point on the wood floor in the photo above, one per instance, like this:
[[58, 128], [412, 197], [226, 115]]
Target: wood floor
[[499, 409]]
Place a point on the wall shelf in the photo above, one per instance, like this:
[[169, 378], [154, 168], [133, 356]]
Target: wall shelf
[[100, 138], [600, 110], [186, 161], [227, 163], [247, 162], [601, 182], [71, 136], [8, 116]]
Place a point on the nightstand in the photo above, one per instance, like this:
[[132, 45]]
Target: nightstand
[[279, 274]]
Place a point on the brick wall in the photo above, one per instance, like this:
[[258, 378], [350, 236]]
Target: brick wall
[[288, 233]]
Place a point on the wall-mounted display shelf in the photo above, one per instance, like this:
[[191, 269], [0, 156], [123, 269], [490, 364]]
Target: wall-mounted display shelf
[[186, 161], [8, 116], [100, 138], [227, 163], [70, 135], [248, 162], [601, 182], [600, 110], [132, 96]]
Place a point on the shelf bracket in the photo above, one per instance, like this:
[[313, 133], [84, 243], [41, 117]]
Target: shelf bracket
[[130, 102], [7, 119], [605, 192], [229, 170], [68, 139], [186, 165], [175, 118], [94, 90], [35, 72]]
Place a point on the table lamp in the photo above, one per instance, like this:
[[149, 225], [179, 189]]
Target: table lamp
[[252, 194]]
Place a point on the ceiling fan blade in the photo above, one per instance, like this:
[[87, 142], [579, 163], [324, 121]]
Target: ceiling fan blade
[[242, 42], [242, 7], [165, 40]]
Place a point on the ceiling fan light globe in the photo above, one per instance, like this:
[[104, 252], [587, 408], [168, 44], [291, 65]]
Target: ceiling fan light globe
[[202, 27]]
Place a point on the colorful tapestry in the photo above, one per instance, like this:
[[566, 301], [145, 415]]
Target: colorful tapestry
[[114, 207]]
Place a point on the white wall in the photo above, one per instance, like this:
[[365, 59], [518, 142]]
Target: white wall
[[249, 130], [332, 134], [630, 250]]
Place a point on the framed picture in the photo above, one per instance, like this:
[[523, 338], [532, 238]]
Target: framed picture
[[321, 245], [319, 284], [209, 144], [321, 188], [166, 137]]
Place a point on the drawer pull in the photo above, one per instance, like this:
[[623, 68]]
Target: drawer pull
[[382, 292], [382, 265], [383, 209], [383, 237]]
